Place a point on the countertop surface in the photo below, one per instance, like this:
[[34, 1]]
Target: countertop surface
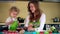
[[2, 23]]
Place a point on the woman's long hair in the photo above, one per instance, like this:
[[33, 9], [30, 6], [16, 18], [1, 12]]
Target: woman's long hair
[[37, 11]]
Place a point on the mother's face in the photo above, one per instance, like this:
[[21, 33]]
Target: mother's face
[[32, 7]]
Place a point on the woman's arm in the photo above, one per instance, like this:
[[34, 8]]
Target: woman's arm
[[42, 22], [26, 21]]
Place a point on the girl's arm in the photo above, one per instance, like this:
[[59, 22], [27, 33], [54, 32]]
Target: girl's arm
[[42, 22], [8, 21]]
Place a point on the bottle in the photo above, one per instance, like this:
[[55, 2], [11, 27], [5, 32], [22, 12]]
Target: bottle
[[37, 32], [34, 32], [46, 32]]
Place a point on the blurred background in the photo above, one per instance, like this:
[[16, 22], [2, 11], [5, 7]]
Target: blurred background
[[51, 9]]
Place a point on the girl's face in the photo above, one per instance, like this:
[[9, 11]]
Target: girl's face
[[13, 14], [32, 7]]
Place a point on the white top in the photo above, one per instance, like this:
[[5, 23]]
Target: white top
[[42, 22], [9, 19]]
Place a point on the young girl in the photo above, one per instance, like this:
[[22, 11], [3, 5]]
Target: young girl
[[36, 19], [12, 16]]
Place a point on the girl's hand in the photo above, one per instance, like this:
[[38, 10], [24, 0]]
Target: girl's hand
[[11, 21]]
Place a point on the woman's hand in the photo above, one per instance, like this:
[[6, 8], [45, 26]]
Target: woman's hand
[[30, 28]]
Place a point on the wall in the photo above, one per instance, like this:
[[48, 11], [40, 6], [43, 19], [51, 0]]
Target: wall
[[50, 9], [59, 9], [5, 6]]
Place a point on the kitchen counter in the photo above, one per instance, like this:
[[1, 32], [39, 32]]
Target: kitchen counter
[[2, 23]]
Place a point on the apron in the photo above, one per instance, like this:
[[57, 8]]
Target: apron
[[35, 24]]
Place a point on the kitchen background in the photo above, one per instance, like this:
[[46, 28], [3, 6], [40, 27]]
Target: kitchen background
[[51, 9]]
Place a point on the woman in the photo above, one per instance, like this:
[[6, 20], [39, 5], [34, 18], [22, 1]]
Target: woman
[[36, 19]]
